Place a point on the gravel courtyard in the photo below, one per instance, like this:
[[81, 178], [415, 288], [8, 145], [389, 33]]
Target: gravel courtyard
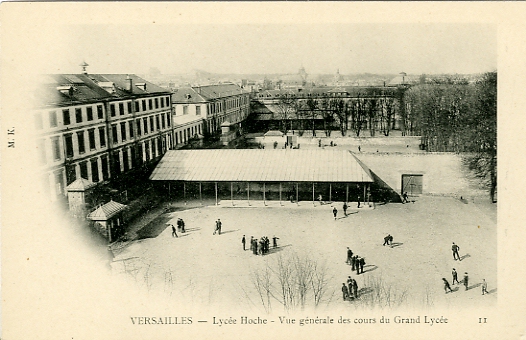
[[209, 270]]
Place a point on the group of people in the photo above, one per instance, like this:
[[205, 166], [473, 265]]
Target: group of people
[[218, 227], [465, 280], [388, 240], [180, 227], [261, 246], [350, 291], [357, 263]]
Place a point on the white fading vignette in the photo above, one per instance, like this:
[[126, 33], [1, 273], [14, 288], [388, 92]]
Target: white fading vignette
[[59, 279]]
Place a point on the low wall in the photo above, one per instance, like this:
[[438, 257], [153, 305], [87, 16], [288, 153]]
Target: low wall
[[443, 173]]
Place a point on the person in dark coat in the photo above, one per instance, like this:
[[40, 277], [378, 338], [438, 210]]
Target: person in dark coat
[[243, 240], [455, 276], [335, 212], [267, 244], [386, 240], [466, 279], [455, 248], [484, 287], [182, 226], [355, 288], [345, 208], [275, 242], [357, 264], [446, 285], [255, 247], [404, 198], [362, 263], [349, 256], [251, 243], [390, 240], [345, 292], [349, 284], [174, 233], [353, 262], [219, 224]]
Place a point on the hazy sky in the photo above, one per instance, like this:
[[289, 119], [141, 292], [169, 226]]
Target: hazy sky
[[274, 48]]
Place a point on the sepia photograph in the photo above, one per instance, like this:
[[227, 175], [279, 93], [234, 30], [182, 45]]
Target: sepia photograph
[[305, 170]]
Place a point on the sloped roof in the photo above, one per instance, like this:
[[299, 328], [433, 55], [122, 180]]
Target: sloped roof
[[106, 211], [218, 91], [80, 184], [180, 96], [271, 165]]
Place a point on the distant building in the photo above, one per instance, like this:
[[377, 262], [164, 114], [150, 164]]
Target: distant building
[[97, 126]]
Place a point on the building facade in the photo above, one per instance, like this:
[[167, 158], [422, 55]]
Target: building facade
[[98, 126], [200, 110]]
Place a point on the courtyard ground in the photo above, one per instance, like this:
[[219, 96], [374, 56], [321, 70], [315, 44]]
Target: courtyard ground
[[213, 271]]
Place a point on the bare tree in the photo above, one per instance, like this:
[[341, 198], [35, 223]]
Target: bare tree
[[312, 105]]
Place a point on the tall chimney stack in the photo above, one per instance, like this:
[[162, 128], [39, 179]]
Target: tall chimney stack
[[129, 86], [84, 65]]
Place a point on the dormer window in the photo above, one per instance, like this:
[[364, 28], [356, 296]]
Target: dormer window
[[142, 86]]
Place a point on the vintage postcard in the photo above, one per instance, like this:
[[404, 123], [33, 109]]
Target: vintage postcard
[[280, 170]]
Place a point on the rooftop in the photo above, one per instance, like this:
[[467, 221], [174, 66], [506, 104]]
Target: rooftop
[[275, 165]]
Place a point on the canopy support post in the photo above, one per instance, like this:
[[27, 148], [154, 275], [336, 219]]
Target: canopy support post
[[248, 193], [200, 195], [280, 193], [216, 191], [231, 194], [347, 193], [297, 196], [264, 198], [330, 192]]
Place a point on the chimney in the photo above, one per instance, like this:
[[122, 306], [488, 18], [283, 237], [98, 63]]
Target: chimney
[[129, 85], [84, 65]]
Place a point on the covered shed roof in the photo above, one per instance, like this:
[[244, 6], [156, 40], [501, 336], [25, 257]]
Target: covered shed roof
[[106, 211], [260, 165]]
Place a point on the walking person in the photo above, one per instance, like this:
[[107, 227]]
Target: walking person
[[255, 247], [446, 285], [357, 264], [349, 284], [335, 212], [251, 243], [455, 248], [275, 242], [404, 197], [349, 256], [466, 280], [243, 240], [362, 263], [386, 240], [174, 233], [345, 292], [345, 208], [353, 262], [455, 276], [355, 288], [358, 201], [484, 287], [183, 230], [219, 224]]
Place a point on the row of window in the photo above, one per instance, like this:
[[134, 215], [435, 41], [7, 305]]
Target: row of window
[[78, 116], [149, 125], [67, 118], [140, 105], [218, 106]]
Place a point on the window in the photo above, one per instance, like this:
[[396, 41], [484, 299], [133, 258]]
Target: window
[[145, 125], [144, 105], [151, 124], [94, 170], [168, 119], [129, 108], [125, 160], [162, 101], [78, 115], [89, 112], [52, 119], [68, 139], [102, 137], [114, 134], [71, 175], [123, 131], [137, 107], [150, 104], [156, 103], [41, 151], [138, 121], [131, 129], [185, 109], [121, 108], [82, 146], [59, 182], [83, 169], [198, 110], [153, 148], [168, 101], [112, 110], [162, 121], [100, 112], [104, 167], [55, 146], [157, 122], [91, 138], [65, 117], [39, 123]]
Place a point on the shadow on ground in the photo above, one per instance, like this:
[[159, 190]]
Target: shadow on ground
[[154, 228]]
